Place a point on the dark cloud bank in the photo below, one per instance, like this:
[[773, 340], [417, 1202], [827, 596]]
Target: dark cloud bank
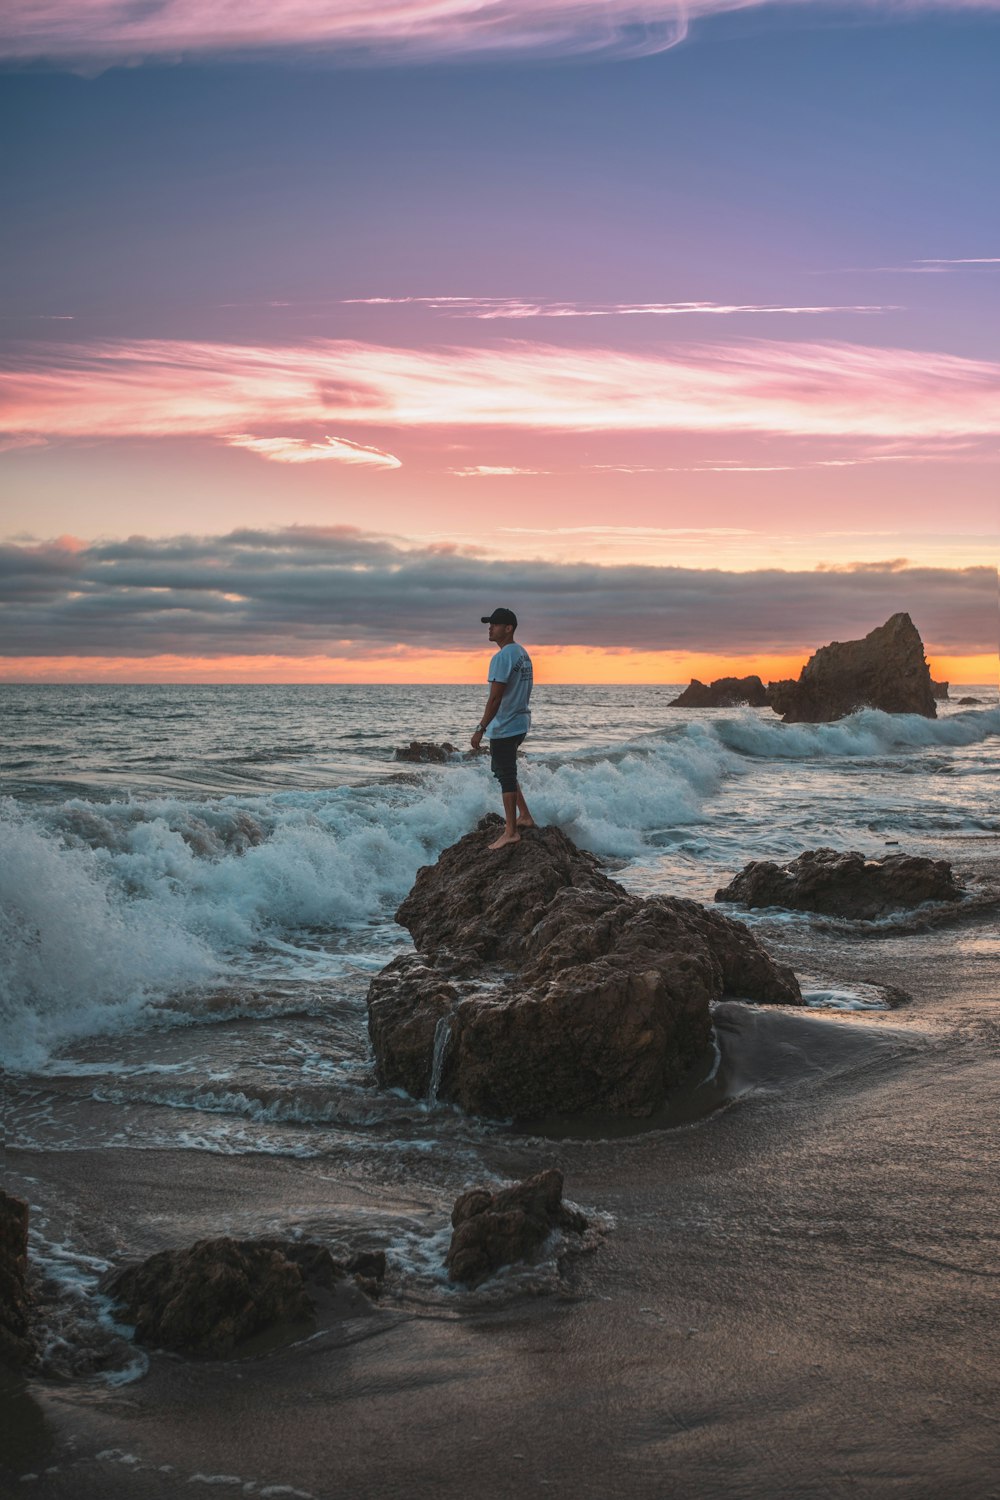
[[305, 591]]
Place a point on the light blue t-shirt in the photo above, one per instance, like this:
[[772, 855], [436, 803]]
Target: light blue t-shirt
[[511, 665]]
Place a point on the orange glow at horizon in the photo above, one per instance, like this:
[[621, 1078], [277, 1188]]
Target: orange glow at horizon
[[569, 664]]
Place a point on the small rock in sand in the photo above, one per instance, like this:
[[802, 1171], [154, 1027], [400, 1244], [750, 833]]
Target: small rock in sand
[[212, 1297], [16, 1348], [495, 1229]]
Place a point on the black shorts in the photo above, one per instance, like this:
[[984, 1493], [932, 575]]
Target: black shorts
[[503, 761]]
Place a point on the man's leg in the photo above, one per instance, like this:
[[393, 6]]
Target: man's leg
[[524, 818], [510, 834], [503, 753]]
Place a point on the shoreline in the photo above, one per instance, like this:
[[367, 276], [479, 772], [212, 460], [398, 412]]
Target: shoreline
[[795, 1294]]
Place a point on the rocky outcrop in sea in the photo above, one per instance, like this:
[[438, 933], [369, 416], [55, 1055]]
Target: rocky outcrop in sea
[[887, 669], [540, 986], [424, 752], [840, 884], [723, 692]]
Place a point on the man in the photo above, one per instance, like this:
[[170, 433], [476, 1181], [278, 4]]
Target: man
[[507, 711]]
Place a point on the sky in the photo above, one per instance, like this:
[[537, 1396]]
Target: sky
[[327, 327]]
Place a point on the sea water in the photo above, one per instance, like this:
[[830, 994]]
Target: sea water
[[197, 883], [169, 852]]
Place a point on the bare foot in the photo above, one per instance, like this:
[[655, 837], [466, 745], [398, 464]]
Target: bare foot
[[526, 823], [506, 838]]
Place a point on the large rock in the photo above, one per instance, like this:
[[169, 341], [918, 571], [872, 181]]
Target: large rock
[[886, 670], [481, 904], [545, 988], [844, 884], [16, 1347], [209, 1299], [724, 692], [939, 689], [491, 1230]]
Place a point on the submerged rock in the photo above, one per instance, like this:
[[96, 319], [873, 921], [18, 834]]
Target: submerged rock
[[969, 702], [844, 884], [886, 670], [495, 1229], [16, 1347], [210, 1298], [724, 692], [424, 750], [542, 987]]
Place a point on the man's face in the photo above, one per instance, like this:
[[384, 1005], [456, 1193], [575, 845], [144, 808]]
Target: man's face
[[501, 634]]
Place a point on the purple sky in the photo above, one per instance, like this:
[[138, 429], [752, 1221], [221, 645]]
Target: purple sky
[[520, 298]]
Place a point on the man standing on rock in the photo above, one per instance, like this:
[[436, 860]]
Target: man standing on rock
[[510, 679]]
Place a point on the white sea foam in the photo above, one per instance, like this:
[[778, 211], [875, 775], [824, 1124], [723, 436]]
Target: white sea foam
[[80, 1334], [612, 805], [81, 954], [867, 733], [106, 908]]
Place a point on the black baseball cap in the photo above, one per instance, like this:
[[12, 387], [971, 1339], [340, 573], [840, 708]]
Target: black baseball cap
[[501, 617]]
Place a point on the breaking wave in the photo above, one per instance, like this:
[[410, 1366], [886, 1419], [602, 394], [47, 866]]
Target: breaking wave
[[108, 908], [867, 733]]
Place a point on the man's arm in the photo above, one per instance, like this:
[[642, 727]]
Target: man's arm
[[489, 712]]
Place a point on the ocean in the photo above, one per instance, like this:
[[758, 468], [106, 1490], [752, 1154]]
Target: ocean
[[197, 883]]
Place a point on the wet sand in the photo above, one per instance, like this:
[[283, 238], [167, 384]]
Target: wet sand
[[797, 1296]]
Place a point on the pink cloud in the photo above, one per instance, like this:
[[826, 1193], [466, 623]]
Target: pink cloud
[[294, 450], [107, 30], [162, 389], [929, 266], [490, 471], [491, 308]]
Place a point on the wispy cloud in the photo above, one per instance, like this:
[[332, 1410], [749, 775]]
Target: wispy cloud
[[931, 266], [162, 389], [642, 533], [492, 471], [305, 590], [916, 451], [890, 565], [489, 309], [295, 450], [89, 31]]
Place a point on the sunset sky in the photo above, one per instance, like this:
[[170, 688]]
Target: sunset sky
[[328, 325]]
